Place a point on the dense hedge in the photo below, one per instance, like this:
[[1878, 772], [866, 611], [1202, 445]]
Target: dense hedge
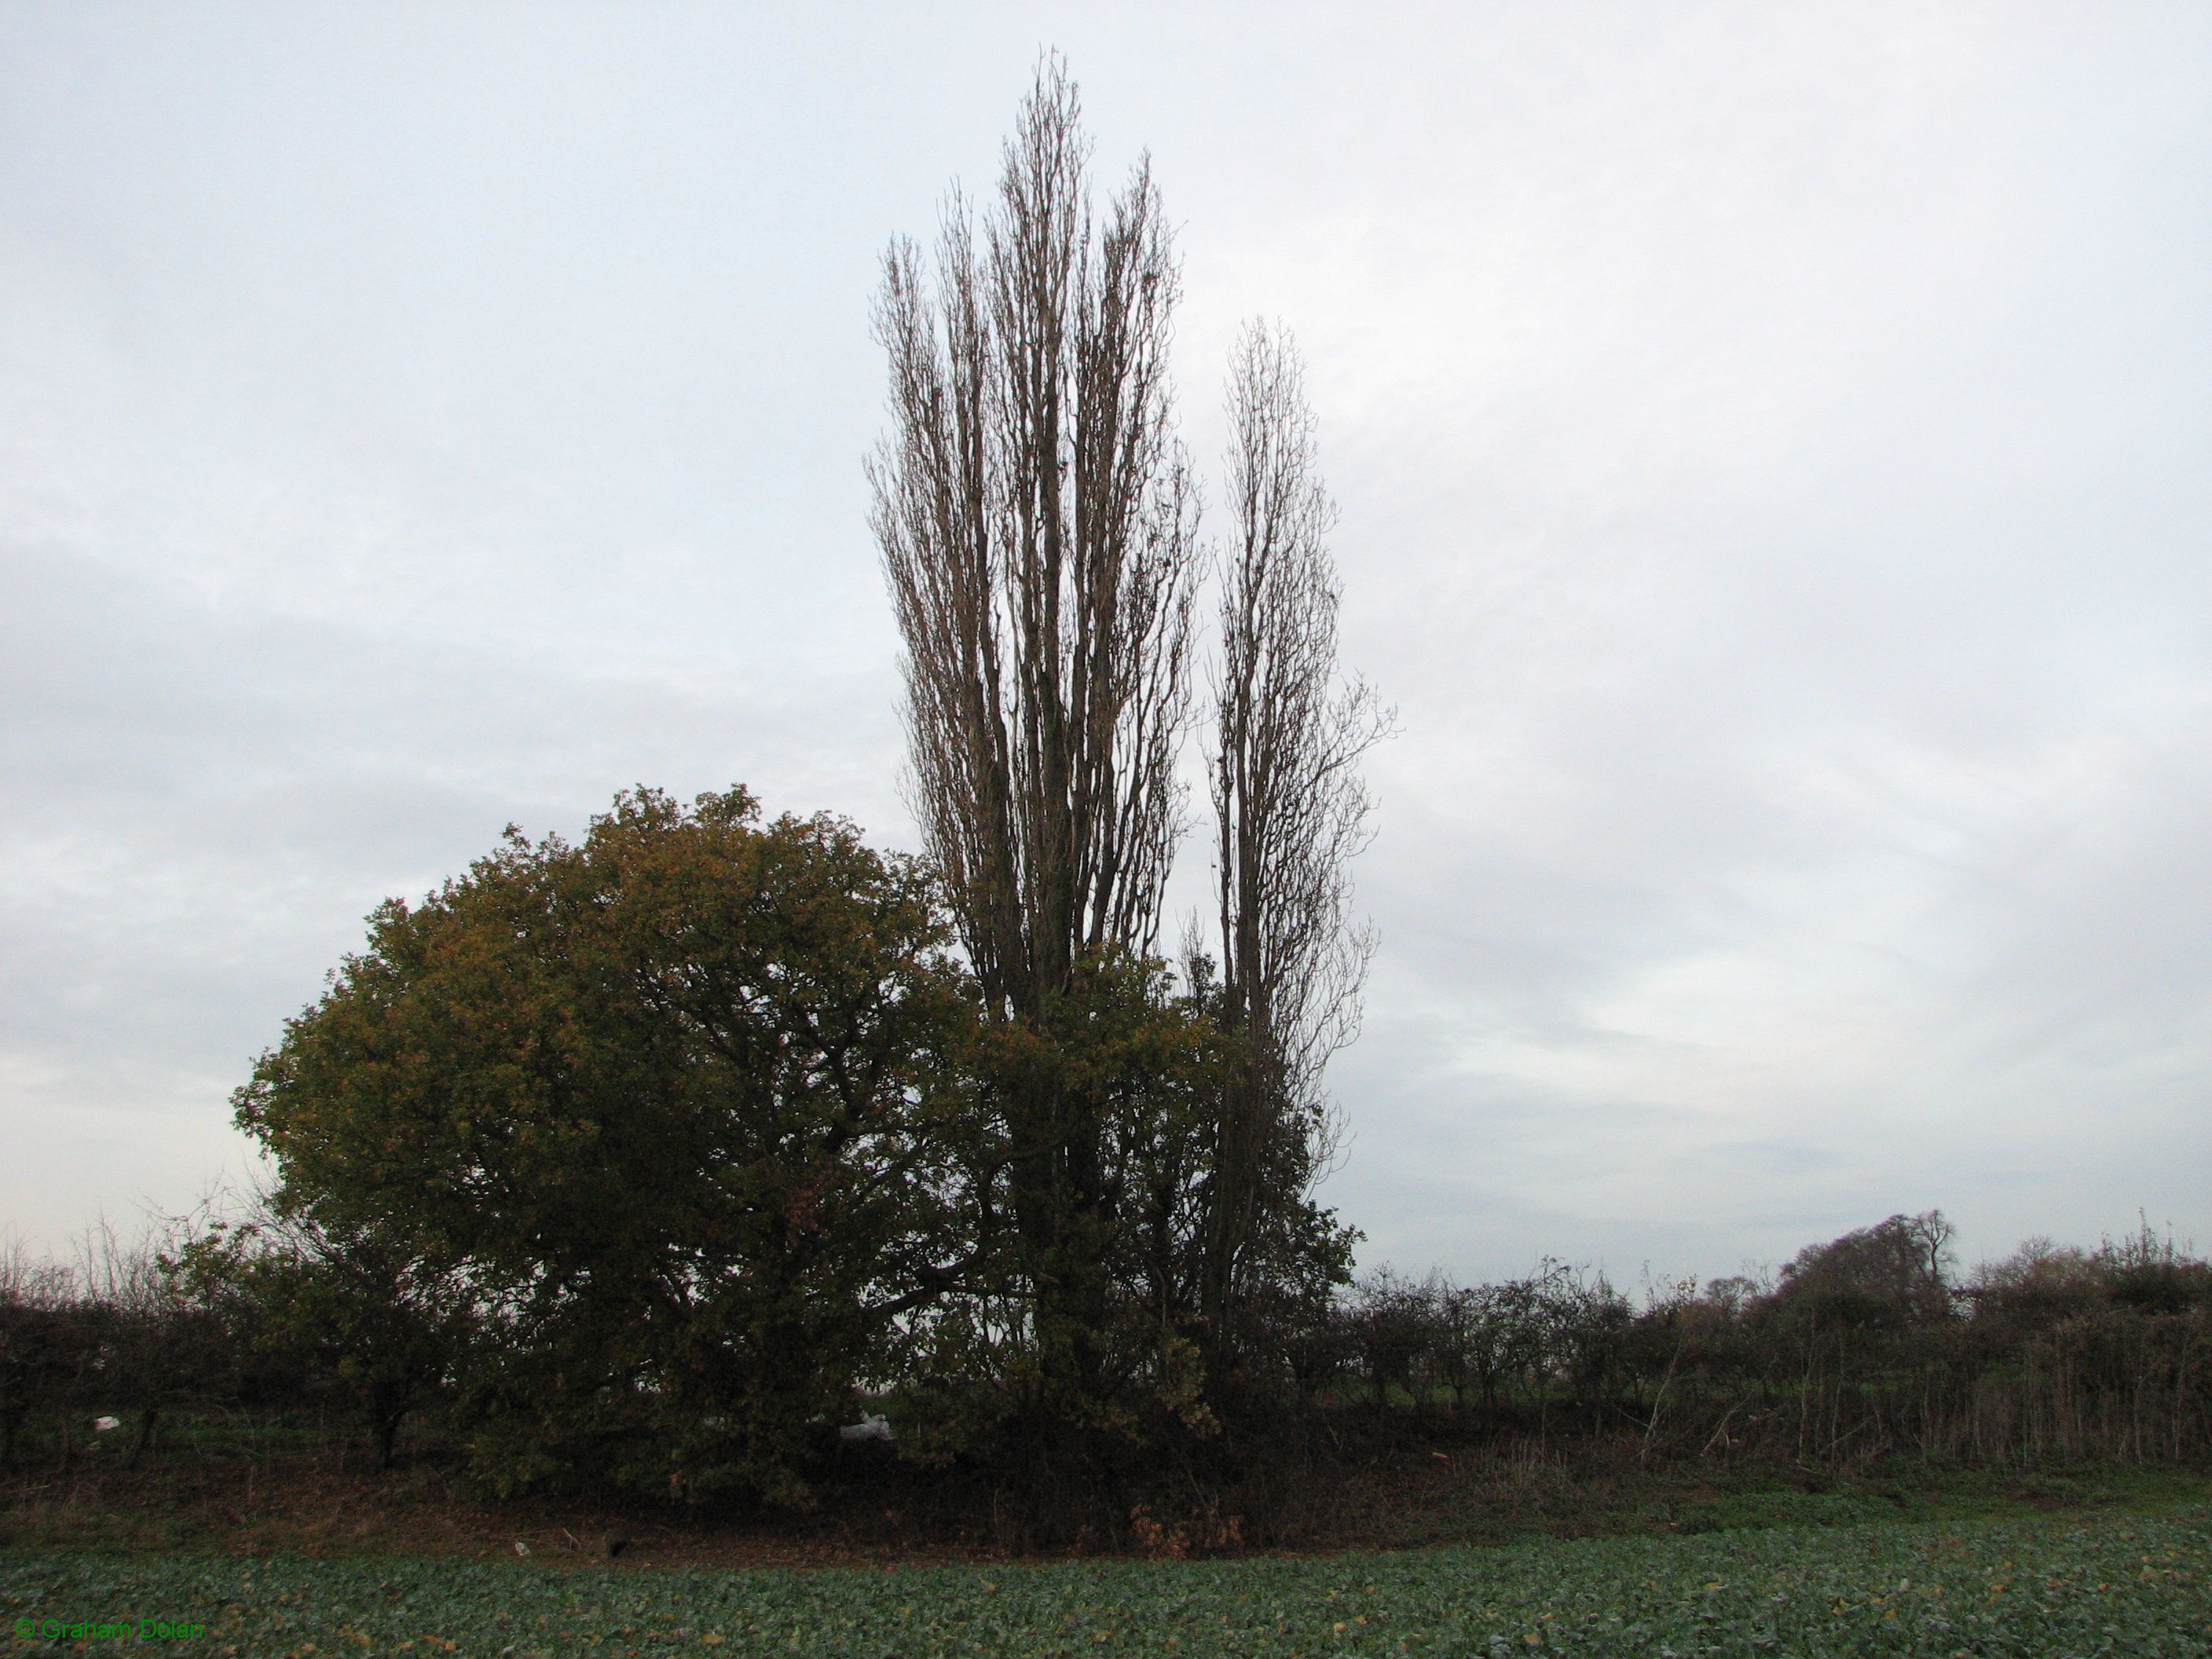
[[2053, 1355]]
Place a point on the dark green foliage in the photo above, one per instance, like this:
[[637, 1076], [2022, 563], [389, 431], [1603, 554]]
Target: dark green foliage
[[45, 1354], [1892, 1275], [351, 1304], [1120, 1052], [118, 1336], [658, 1137], [2149, 1273], [1148, 1063], [1078, 1414]]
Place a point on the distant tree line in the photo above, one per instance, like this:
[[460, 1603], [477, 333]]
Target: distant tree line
[[1866, 1347]]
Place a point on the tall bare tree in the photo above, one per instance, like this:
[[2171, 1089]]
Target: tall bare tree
[[1037, 526], [1290, 811]]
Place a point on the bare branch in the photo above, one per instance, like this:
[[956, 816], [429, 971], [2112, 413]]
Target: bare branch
[[1289, 808], [1037, 525]]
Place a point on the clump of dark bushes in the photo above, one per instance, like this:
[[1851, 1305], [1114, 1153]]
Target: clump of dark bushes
[[96, 1353], [1870, 1345]]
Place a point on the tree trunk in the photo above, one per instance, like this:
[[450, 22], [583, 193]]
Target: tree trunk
[[387, 1432], [146, 1421]]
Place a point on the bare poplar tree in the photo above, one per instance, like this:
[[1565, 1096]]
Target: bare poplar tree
[[1037, 526], [1290, 811]]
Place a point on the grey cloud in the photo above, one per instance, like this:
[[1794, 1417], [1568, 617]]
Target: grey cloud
[[205, 803]]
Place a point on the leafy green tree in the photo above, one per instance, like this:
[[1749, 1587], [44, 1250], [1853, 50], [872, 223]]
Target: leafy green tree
[[679, 1112], [1144, 1062], [1895, 1272], [2145, 1272], [354, 1305]]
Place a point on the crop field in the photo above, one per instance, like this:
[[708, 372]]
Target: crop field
[[2133, 1585]]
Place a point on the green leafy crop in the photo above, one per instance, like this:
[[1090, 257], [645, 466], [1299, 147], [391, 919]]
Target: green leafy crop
[[2043, 1591]]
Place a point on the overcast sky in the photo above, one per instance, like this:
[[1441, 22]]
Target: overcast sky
[[1775, 453]]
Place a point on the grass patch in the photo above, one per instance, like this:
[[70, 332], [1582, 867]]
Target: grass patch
[[1500, 1494], [1905, 1490]]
